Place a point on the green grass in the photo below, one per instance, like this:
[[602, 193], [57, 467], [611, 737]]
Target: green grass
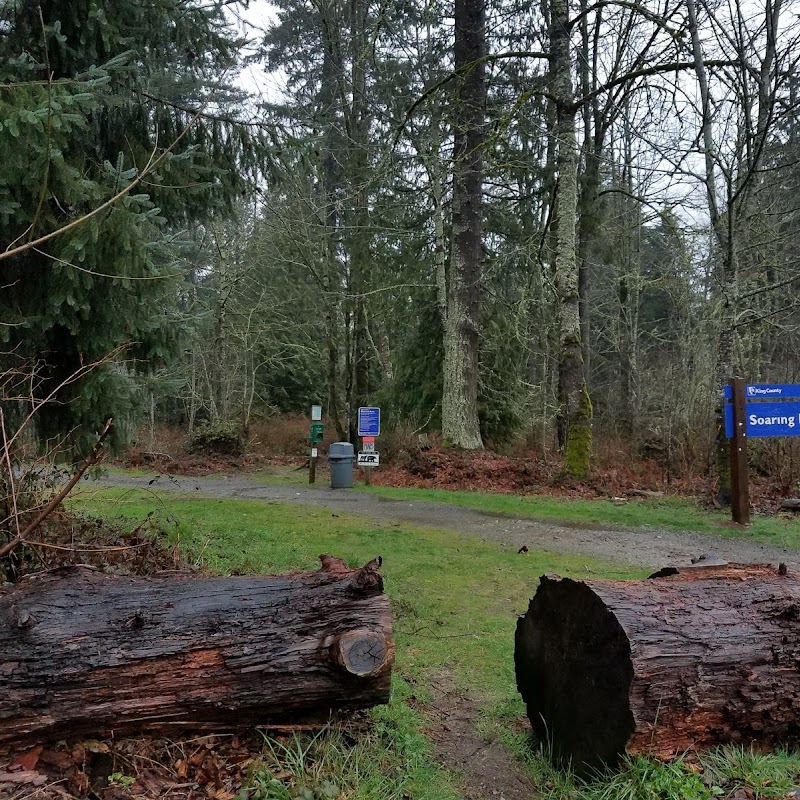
[[456, 598], [455, 601], [277, 475], [669, 513], [390, 761]]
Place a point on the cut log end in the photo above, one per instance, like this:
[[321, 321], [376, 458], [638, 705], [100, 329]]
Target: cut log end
[[569, 697], [362, 653], [692, 657]]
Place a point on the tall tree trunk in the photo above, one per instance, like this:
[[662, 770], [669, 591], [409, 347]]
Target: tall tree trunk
[[589, 185], [460, 426], [358, 238], [331, 274], [575, 415], [724, 264], [628, 292]]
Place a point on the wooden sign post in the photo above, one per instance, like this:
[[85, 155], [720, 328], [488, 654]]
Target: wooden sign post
[[754, 410], [316, 437], [740, 488], [369, 427]]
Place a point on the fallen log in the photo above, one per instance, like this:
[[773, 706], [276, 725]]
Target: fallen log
[[686, 659], [82, 652]]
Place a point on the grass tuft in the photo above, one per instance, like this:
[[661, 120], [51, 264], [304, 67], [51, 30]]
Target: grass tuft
[[391, 760]]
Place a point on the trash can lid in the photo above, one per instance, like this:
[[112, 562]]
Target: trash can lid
[[340, 449]]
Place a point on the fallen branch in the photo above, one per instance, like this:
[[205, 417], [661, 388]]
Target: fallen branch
[[72, 549], [91, 459]]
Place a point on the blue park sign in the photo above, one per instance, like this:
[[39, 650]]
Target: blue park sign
[[770, 410], [369, 421]]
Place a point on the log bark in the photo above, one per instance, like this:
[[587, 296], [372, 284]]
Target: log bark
[[82, 652], [686, 659]]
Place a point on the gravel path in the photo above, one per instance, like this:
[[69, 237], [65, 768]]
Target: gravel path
[[648, 547]]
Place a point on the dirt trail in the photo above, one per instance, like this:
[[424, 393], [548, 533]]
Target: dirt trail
[[488, 771], [647, 547]]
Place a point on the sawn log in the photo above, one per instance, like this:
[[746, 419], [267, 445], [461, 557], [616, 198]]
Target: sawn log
[[83, 652], [686, 659]]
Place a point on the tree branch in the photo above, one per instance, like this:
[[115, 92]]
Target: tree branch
[[91, 459]]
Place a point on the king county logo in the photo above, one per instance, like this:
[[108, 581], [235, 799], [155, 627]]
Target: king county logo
[[759, 390]]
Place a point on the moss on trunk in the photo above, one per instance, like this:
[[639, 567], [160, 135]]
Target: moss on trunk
[[578, 452]]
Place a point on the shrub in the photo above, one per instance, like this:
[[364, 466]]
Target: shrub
[[218, 438]]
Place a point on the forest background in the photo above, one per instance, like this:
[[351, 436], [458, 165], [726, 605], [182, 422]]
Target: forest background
[[507, 224]]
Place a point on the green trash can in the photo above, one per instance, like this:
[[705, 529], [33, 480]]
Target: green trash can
[[341, 458]]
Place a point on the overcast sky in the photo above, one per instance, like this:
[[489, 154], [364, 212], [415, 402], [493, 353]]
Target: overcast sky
[[254, 22]]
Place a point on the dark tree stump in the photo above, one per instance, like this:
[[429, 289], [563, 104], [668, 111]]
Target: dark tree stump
[[83, 652], [686, 659]]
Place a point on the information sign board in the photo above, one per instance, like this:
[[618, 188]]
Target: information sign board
[[369, 421], [368, 459], [754, 410], [766, 412], [316, 413], [768, 419]]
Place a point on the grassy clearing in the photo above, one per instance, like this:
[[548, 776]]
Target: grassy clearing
[[455, 601], [456, 598], [670, 513]]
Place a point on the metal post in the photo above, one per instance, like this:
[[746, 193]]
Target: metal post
[[740, 490], [312, 466]]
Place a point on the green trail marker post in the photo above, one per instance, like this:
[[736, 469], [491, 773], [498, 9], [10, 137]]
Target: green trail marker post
[[316, 436]]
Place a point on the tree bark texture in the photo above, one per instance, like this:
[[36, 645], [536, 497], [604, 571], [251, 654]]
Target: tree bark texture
[[88, 653], [683, 660], [460, 426], [357, 237], [724, 260], [329, 218], [575, 414]]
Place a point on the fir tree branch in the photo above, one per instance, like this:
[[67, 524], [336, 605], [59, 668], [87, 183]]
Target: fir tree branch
[[46, 176], [75, 376], [152, 164], [97, 274]]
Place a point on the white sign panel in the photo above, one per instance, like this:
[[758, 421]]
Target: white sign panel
[[316, 413], [368, 459]]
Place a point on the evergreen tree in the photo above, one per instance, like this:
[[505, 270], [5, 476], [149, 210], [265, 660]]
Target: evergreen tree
[[97, 97]]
